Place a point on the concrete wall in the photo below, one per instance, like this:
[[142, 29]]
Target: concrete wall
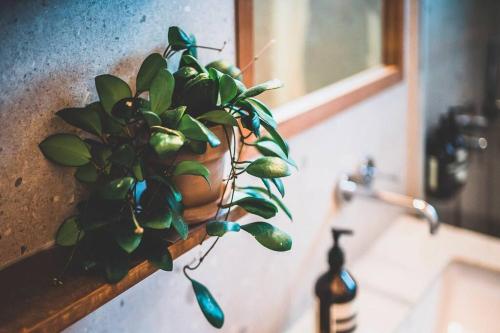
[[261, 291]]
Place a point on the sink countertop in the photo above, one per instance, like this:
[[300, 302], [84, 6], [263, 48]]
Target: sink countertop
[[400, 266]]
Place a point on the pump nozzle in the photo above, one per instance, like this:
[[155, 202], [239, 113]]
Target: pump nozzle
[[339, 232]]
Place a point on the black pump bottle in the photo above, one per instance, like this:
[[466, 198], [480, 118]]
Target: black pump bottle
[[336, 292]]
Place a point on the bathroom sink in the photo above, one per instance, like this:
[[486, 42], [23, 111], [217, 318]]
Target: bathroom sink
[[464, 299]]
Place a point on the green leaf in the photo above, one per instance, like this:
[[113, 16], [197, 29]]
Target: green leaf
[[128, 240], [192, 168], [117, 265], [87, 173], [111, 89], [200, 94], [268, 147], [260, 88], [279, 185], [276, 137], [178, 39], [66, 150], [219, 228], [268, 167], [220, 117], [116, 189], [226, 67], [197, 147], [190, 61], [160, 93], [151, 118], [160, 256], [69, 233], [269, 236], [149, 68], [208, 305], [124, 155], [261, 192], [171, 118], [164, 144], [137, 171], [259, 109], [256, 205], [159, 222], [195, 130], [228, 89], [180, 226], [87, 119]]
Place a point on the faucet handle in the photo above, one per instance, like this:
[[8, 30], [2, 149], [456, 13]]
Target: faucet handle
[[367, 172]]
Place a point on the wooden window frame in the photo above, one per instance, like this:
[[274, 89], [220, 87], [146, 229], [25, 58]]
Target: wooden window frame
[[317, 106]]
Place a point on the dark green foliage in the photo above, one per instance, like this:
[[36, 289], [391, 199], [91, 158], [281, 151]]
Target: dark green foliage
[[131, 160]]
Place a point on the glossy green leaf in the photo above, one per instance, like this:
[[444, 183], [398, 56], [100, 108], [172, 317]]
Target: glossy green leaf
[[87, 173], [111, 89], [227, 88], [69, 232], [226, 67], [256, 205], [85, 118], [66, 150], [264, 193], [195, 130], [164, 144], [269, 236], [149, 68], [180, 226], [257, 108], [159, 221], [126, 109], [267, 184], [219, 228], [251, 122], [208, 305], [220, 117], [151, 118], [268, 147], [200, 94], [178, 39], [124, 155], [279, 185], [160, 256], [260, 88], [276, 137], [268, 167], [171, 118], [116, 189], [137, 171], [197, 147], [192, 168], [117, 265], [128, 241], [160, 93], [190, 61]]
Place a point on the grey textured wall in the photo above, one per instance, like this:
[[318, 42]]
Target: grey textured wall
[[50, 53]]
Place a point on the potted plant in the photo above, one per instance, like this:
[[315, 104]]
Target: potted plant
[[154, 160]]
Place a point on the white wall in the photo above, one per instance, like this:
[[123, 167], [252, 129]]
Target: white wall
[[262, 291]]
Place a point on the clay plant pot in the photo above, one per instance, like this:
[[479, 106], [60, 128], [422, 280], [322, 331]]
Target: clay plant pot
[[200, 199]]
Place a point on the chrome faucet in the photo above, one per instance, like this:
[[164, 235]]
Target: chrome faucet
[[360, 184]]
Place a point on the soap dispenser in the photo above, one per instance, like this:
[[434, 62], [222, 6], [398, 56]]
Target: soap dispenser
[[336, 292]]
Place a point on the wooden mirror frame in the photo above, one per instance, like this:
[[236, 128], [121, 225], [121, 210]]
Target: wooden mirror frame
[[310, 109]]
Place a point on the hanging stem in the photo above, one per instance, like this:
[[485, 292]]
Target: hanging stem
[[258, 55]]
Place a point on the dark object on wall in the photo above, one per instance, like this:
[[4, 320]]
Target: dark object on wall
[[492, 89], [336, 292], [446, 159]]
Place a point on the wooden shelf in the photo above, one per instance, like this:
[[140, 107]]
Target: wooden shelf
[[29, 301]]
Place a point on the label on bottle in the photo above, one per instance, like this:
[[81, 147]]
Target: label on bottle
[[343, 317]]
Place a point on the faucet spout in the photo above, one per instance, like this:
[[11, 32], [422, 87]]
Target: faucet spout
[[348, 188]]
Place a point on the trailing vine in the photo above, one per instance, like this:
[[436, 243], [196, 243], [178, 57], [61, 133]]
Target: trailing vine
[[129, 157]]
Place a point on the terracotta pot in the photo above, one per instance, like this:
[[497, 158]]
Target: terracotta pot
[[200, 199]]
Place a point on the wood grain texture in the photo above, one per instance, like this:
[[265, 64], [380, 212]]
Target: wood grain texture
[[244, 39], [30, 302]]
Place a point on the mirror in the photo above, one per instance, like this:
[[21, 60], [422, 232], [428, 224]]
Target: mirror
[[314, 43]]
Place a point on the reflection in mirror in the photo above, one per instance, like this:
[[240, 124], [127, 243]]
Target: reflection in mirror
[[314, 43]]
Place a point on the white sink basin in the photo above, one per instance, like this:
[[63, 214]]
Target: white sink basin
[[464, 299]]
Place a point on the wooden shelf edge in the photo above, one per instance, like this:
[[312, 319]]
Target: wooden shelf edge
[[30, 303]]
